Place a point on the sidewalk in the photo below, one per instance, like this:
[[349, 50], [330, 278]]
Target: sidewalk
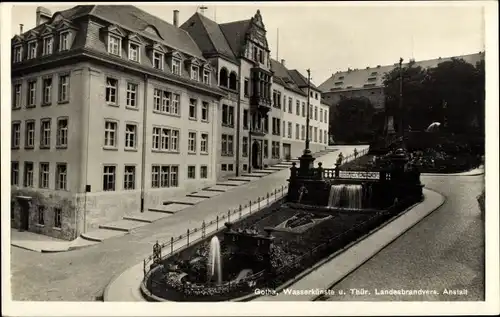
[[126, 287], [474, 172], [42, 243]]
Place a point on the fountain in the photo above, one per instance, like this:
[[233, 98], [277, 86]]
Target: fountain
[[347, 196], [214, 264]]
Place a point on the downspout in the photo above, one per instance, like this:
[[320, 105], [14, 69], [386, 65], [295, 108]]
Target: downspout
[[87, 158], [238, 113], [144, 133]]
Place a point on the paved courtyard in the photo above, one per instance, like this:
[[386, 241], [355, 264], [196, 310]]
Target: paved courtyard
[[444, 250]]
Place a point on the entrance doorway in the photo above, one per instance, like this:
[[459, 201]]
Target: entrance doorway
[[24, 204], [256, 155], [287, 151]]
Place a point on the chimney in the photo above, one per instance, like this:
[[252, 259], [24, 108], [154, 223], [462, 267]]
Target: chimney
[[21, 29], [176, 18], [42, 15], [283, 62]]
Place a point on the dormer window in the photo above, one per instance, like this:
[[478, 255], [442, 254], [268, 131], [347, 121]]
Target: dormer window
[[133, 52], [18, 54], [114, 45], [206, 77], [32, 49], [158, 60], [176, 66], [48, 44], [195, 71], [64, 41]]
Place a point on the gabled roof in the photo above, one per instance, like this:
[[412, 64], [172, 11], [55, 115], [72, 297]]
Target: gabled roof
[[235, 33], [283, 78], [358, 78], [208, 35], [300, 79]]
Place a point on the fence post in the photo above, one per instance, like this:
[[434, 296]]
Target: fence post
[[282, 191], [258, 203], [229, 215], [268, 198], [188, 236], [240, 210], [144, 267], [217, 223], [171, 245], [250, 207], [203, 228]]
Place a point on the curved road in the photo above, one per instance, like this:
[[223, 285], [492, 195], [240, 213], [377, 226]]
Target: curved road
[[443, 251]]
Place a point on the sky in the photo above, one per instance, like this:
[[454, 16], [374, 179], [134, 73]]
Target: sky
[[332, 36]]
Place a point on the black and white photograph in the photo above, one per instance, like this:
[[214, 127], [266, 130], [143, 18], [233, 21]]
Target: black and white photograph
[[223, 153]]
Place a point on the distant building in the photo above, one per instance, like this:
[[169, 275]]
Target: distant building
[[369, 82]]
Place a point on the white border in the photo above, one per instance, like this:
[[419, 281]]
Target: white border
[[490, 306]]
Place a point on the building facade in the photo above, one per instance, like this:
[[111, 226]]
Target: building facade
[[108, 118], [113, 115]]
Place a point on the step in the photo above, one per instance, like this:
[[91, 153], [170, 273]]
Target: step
[[169, 208], [283, 166], [231, 183], [253, 175], [263, 172], [102, 234], [204, 194], [241, 178], [186, 200], [272, 169], [219, 188], [147, 217], [125, 225]]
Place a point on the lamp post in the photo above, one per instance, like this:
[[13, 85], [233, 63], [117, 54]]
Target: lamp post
[[307, 160], [401, 113]]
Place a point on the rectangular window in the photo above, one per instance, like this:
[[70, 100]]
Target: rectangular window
[[227, 145], [114, 45], [175, 141], [289, 130], [14, 173], [132, 95], [41, 215], [64, 41], [192, 142], [176, 101], [304, 109], [63, 88], [204, 143], [320, 136], [133, 52], [165, 176], [28, 174], [246, 88], [191, 172], [275, 151], [195, 71], [16, 98], [320, 115], [176, 66], [45, 133], [326, 116], [266, 148], [32, 93], [110, 131], [204, 111], [130, 136], [109, 178], [203, 171], [325, 138], [297, 107], [227, 115], [62, 132], [156, 138], [315, 134], [32, 47], [310, 112], [157, 94], [297, 131], [47, 91], [48, 44], [245, 146], [111, 90], [193, 108], [155, 176], [245, 119], [18, 54], [206, 77], [44, 175], [57, 217], [61, 176], [158, 60], [230, 167], [29, 142], [223, 167], [315, 113], [303, 133], [174, 179], [15, 135], [165, 139], [129, 177]]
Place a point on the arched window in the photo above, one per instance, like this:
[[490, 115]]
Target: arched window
[[223, 77], [232, 81]]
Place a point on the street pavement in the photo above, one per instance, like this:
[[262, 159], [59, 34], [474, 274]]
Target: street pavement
[[82, 275], [443, 251]]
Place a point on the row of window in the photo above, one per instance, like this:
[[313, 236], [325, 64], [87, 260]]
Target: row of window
[[275, 150], [47, 88], [60, 181], [48, 47], [40, 216], [45, 133], [315, 134], [322, 116]]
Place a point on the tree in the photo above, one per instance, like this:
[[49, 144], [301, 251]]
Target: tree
[[416, 110], [454, 89], [352, 120]]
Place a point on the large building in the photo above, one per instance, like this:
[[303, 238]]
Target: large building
[[369, 82], [114, 111]]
